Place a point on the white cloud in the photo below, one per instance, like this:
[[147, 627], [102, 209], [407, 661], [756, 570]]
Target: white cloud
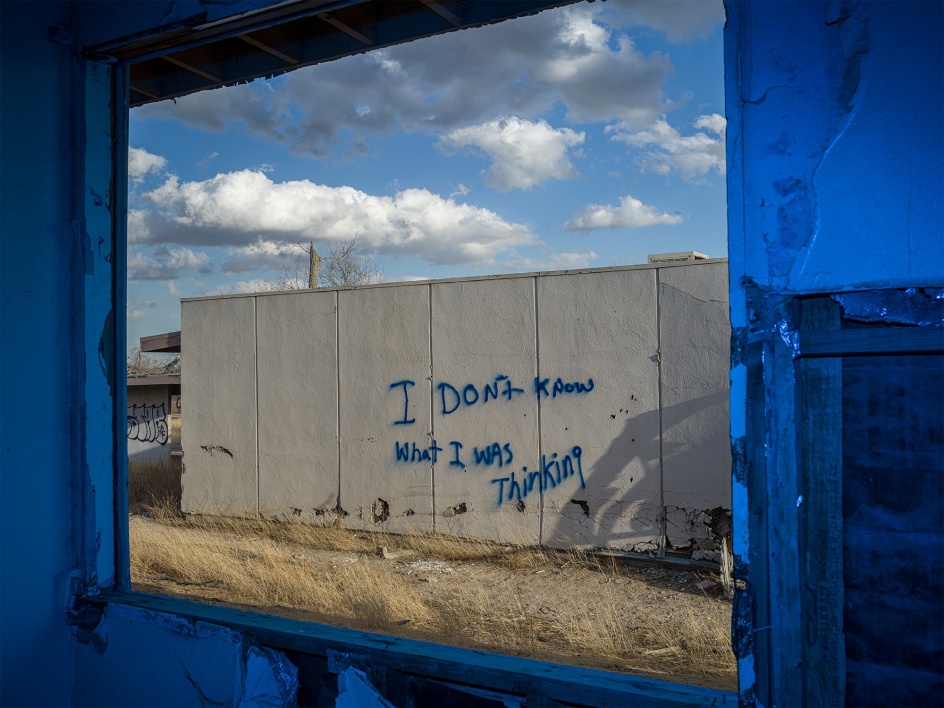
[[260, 218], [680, 20], [523, 153], [141, 163], [134, 314], [557, 261], [522, 68], [261, 285], [630, 214], [165, 263], [667, 151]]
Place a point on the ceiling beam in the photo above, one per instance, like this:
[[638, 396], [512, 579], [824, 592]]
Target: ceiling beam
[[447, 15], [137, 89], [349, 31], [292, 61], [191, 69]]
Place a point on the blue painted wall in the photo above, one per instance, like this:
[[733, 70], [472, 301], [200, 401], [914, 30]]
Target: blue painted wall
[[40, 415], [835, 183]]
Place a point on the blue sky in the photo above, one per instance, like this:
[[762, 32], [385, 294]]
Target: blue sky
[[587, 136]]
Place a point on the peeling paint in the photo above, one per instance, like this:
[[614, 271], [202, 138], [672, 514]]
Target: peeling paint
[[380, 511], [356, 691], [455, 510], [910, 306]]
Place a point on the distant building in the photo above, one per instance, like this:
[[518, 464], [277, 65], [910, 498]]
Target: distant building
[[677, 257], [152, 399]]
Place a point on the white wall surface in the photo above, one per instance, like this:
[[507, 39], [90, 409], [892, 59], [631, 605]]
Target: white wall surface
[[561, 408], [148, 423]]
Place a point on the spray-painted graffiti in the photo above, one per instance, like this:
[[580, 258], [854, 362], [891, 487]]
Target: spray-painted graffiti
[[147, 423], [451, 397], [553, 471], [551, 474], [492, 454]]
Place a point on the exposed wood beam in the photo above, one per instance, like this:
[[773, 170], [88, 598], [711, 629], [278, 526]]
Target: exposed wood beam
[[267, 49], [447, 15], [191, 69], [137, 89], [349, 31]]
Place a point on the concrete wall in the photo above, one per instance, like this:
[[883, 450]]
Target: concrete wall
[[148, 423], [563, 409]]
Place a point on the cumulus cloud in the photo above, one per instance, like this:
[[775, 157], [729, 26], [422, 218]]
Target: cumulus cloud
[[446, 82], [666, 150], [523, 153], [166, 263], [556, 261], [630, 214], [141, 163], [259, 218], [679, 20]]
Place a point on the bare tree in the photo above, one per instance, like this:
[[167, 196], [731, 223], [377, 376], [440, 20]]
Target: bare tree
[[140, 364], [347, 264]]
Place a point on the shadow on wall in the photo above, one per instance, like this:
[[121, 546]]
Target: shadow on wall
[[616, 509]]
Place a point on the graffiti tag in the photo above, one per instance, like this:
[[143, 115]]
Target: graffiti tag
[[147, 423]]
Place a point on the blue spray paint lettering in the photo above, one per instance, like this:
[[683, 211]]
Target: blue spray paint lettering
[[456, 446], [493, 453], [413, 453], [406, 402], [553, 472], [451, 398], [560, 387]]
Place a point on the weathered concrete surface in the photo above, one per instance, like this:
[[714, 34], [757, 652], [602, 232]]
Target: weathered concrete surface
[[600, 330], [218, 373], [385, 384], [483, 342], [296, 349], [522, 409], [696, 455]]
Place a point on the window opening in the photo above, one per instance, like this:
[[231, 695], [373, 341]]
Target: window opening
[[587, 138]]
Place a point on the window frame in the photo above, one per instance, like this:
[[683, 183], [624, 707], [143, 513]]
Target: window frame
[[102, 519]]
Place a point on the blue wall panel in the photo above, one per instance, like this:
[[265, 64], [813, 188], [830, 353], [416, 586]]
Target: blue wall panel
[[40, 417]]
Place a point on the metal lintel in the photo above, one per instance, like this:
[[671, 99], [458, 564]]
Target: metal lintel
[[191, 69], [349, 31], [447, 15], [251, 41]]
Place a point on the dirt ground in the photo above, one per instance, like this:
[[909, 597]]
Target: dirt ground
[[615, 614]]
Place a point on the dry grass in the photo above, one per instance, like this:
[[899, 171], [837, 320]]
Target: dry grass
[[175, 428], [154, 485], [571, 607]]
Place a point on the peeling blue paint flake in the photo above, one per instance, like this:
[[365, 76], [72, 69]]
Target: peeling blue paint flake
[[789, 336], [910, 306], [356, 691], [270, 679]]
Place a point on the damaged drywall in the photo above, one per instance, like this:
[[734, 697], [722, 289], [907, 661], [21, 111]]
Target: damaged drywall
[[584, 408], [188, 663]]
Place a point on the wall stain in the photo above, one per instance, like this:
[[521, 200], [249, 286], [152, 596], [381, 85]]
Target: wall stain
[[210, 449]]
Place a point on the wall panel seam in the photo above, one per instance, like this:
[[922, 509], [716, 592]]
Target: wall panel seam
[[429, 427], [255, 366]]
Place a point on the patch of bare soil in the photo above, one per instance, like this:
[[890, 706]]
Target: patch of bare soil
[[569, 607]]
